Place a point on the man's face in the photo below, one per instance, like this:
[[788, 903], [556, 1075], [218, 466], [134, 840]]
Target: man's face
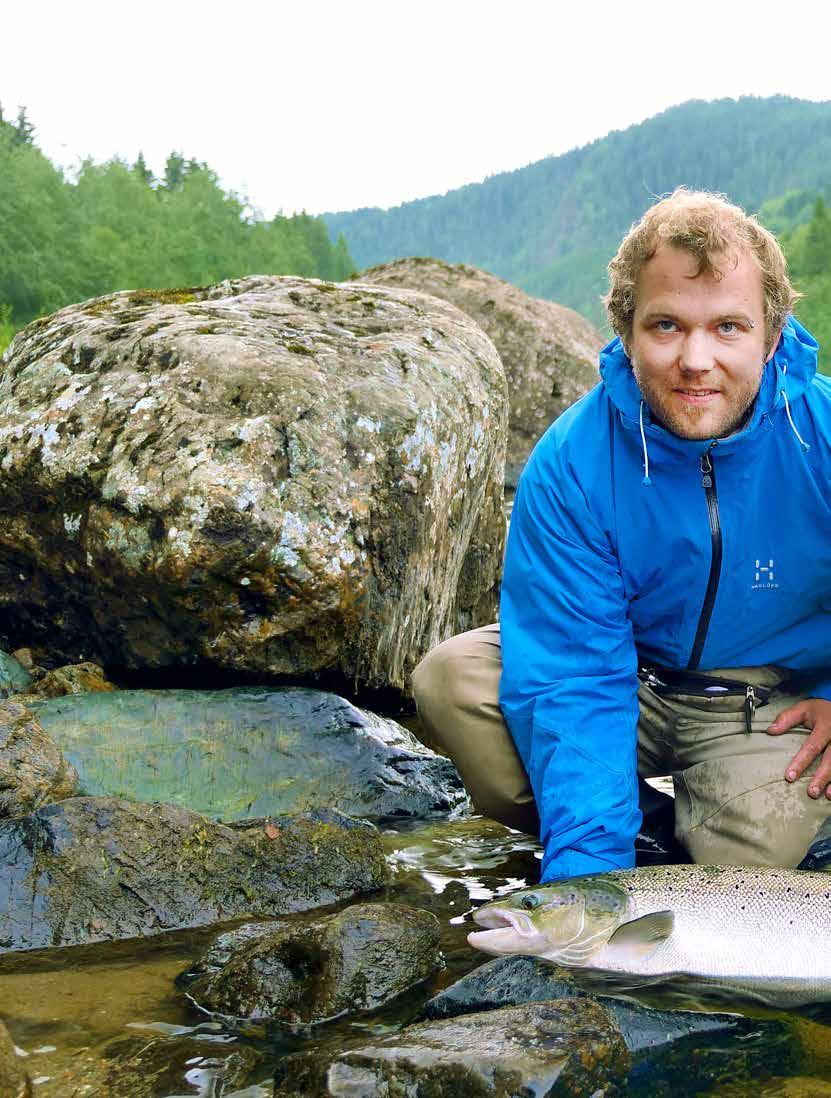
[[698, 346]]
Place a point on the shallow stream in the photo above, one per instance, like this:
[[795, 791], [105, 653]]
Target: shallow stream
[[62, 1008]]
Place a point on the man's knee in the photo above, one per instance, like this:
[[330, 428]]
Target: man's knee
[[456, 688], [459, 677]]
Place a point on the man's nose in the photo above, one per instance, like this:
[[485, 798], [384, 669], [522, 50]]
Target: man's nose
[[696, 354]]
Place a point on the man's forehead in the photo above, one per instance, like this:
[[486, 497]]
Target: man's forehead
[[672, 278]]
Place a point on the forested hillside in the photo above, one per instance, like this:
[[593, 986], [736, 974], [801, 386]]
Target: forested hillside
[[551, 227], [115, 227], [805, 233]]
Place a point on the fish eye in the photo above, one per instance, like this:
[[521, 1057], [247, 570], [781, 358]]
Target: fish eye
[[530, 901]]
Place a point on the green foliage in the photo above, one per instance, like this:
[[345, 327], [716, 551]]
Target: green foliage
[[6, 327], [116, 228], [808, 249], [552, 226]]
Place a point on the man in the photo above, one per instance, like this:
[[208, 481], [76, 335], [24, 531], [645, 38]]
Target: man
[[666, 601]]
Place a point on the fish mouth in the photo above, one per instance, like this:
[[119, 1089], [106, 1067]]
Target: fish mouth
[[507, 931]]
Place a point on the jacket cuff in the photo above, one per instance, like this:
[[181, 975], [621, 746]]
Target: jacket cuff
[[573, 863]]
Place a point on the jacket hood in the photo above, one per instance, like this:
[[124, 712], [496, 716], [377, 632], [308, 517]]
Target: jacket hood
[[788, 374]]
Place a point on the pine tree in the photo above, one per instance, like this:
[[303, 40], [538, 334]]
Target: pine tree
[[174, 172], [24, 131], [142, 171]]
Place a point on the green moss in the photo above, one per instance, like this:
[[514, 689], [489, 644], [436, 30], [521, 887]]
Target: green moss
[[299, 349], [164, 297]]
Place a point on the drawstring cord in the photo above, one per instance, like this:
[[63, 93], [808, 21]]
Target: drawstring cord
[[646, 479], [805, 446]]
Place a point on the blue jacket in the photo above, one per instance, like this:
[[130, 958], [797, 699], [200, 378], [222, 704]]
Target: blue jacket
[[605, 564]]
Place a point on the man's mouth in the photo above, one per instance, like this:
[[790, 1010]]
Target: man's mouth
[[697, 396]]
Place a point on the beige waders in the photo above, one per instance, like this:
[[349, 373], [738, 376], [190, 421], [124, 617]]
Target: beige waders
[[732, 803]]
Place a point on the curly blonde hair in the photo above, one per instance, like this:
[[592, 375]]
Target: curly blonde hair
[[709, 228]]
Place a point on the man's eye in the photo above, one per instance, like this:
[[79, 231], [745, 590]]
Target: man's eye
[[665, 325], [728, 327]]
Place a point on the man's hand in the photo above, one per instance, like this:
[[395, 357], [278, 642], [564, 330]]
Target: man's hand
[[814, 713]]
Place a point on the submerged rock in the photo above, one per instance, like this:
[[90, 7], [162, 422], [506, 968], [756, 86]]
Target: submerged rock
[[549, 352], [33, 771], [95, 869], [567, 1048], [671, 1049], [143, 1067], [271, 475], [356, 960], [249, 752], [14, 1081]]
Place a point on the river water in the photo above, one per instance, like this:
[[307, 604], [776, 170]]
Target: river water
[[64, 1010]]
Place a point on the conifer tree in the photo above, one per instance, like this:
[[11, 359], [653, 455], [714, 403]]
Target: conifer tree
[[23, 129], [142, 171], [174, 171]]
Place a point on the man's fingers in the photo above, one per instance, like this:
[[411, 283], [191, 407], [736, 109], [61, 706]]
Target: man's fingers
[[819, 782], [810, 750], [789, 718]]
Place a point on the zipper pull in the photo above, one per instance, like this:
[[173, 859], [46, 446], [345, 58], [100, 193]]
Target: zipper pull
[[749, 708], [706, 471]]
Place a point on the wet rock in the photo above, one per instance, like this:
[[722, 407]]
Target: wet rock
[[272, 475], [671, 1049], [95, 869], [249, 752], [25, 658], [77, 678], [14, 678], [145, 1068], [567, 1048], [33, 771], [549, 352], [504, 981], [14, 1082], [356, 960]]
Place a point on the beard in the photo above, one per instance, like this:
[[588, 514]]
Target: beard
[[724, 416]]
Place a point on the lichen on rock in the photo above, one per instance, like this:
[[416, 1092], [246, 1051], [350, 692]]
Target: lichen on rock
[[549, 351], [183, 488]]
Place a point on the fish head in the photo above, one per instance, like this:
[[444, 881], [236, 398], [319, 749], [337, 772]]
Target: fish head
[[567, 922]]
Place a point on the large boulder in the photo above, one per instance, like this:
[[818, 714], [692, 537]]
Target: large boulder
[[248, 752], [271, 475], [549, 352], [299, 973], [97, 869]]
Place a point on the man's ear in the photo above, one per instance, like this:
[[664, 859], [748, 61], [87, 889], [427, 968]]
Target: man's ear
[[774, 344]]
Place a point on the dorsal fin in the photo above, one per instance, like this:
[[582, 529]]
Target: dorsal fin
[[635, 940]]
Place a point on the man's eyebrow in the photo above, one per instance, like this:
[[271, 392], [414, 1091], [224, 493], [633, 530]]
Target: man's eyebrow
[[670, 314]]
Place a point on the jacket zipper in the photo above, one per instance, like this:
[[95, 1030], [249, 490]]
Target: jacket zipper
[[708, 481]]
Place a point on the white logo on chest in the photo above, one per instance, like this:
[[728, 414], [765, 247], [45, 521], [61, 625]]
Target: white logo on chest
[[764, 575]]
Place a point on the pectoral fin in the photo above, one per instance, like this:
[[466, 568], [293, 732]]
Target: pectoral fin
[[634, 941]]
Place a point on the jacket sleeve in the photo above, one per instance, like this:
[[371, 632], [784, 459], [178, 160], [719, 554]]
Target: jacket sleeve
[[822, 690], [569, 681]]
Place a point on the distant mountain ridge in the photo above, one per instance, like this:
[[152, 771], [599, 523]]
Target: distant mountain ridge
[[552, 226]]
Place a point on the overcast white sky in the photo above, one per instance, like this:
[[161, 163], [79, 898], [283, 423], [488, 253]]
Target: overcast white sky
[[330, 106]]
